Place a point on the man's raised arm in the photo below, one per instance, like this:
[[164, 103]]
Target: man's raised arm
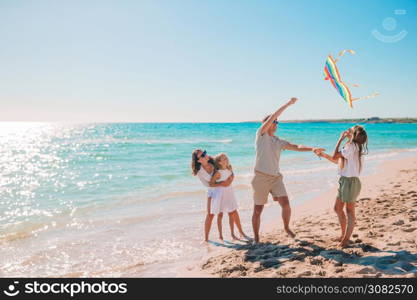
[[276, 114]]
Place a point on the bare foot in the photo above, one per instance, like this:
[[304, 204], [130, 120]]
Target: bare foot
[[244, 236], [290, 233], [347, 242], [235, 238], [204, 242], [339, 239], [343, 244]]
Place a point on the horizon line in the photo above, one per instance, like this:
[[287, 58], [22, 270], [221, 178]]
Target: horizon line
[[208, 122]]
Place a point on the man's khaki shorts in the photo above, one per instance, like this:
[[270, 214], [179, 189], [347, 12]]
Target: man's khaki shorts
[[264, 184]]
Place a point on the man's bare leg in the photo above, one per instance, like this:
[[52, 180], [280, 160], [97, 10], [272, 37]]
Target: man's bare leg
[[256, 221], [286, 213]]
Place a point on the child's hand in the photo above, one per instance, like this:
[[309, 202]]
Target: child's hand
[[318, 150], [344, 134]]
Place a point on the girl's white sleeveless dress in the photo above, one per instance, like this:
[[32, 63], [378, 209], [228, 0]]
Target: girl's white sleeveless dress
[[223, 200]]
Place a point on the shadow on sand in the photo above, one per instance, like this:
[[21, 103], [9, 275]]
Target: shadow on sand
[[274, 256]]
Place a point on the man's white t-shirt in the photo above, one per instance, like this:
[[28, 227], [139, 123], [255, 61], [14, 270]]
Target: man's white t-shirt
[[268, 152]]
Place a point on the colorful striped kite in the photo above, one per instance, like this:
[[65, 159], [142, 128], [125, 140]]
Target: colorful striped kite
[[331, 73]]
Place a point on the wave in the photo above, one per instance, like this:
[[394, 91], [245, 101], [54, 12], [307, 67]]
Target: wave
[[185, 141], [288, 171], [112, 140]]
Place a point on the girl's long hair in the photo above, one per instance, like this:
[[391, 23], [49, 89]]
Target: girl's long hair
[[360, 140]]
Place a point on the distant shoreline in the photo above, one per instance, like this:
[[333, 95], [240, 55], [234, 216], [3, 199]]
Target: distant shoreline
[[373, 120], [358, 120]]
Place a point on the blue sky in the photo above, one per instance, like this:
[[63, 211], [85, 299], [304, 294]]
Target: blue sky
[[202, 61]]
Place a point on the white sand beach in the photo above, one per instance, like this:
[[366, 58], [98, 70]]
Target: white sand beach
[[384, 241]]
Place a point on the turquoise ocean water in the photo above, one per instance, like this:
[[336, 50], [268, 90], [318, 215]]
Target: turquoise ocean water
[[120, 200]]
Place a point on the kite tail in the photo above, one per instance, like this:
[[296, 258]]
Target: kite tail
[[341, 53], [373, 95], [352, 84]]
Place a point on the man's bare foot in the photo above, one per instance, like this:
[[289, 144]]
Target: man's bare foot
[[235, 238], [341, 239], [204, 242], [343, 244], [290, 233]]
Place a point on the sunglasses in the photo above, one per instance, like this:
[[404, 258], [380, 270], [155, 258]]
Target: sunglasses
[[203, 154], [275, 122]]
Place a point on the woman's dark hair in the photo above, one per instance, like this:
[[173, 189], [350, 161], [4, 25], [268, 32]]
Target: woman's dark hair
[[195, 165]]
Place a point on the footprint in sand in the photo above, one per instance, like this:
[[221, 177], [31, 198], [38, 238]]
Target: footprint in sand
[[371, 234], [409, 229], [367, 270], [394, 244], [378, 226]]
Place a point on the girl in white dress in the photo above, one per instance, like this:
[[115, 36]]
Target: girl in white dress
[[224, 201], [202, 166]]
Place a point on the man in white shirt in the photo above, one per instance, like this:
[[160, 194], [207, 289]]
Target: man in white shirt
[[268, 179]]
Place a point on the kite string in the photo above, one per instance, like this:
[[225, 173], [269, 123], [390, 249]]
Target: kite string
[[373, 95], [341, 53]]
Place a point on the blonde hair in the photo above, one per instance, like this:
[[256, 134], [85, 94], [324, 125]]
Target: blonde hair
[[217, 160]]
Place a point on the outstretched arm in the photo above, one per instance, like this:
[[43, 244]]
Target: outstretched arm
[[301, 148], [328, 157], [276, 114]]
